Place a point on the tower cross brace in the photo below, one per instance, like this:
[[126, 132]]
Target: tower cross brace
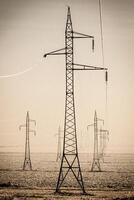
[[27, 165], [70, 159]]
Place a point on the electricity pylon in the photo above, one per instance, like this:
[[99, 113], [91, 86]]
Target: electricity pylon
[[27, 160], [59, 155], [103, 142], [70, 159], [96, 159]]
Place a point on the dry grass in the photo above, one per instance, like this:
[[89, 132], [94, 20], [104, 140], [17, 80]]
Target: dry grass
[[115, 182]]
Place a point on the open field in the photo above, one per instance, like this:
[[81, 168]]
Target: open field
[[116, 181]]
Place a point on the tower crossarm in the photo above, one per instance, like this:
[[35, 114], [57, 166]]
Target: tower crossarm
[[90, 125], [77, 35], [31, 120], [33, 131], [81, 35], [102, 120], [56, 52], [22, 126], [87, 67], [104, 131]]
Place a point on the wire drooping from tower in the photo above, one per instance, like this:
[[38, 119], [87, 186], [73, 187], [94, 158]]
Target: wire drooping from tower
[[13, 75], [103, 61], [16, 74]]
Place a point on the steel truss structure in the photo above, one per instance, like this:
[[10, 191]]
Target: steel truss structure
[[59, 155], [96, 155], [70, 159], [27, 165], [104, 137]]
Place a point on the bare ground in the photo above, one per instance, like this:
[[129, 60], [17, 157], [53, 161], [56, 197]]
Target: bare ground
[[39, 185], [115, 182], [49, 194]]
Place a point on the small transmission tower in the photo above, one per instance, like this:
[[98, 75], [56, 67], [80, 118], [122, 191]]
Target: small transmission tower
[[27, 160], [96, 158], [103, 138], [70, 159], [59, 155]]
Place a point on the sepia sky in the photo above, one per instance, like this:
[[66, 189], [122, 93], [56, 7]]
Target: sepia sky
[[31, 28]]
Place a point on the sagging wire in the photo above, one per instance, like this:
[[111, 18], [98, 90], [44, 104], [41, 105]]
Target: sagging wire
[[18, 73], [103, 62]]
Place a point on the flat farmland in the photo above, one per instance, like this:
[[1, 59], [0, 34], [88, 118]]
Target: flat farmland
[[116, 181]]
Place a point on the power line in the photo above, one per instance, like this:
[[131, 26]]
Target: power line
[[16, 74], [103, 62], [101, 29], [19, 73]]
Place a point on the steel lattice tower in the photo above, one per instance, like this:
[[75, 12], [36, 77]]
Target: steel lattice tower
[[70, 159], [59, 155], [27, 165], [103, 137], [96, 157]]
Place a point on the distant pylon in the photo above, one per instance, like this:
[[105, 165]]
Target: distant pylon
[[96, 159], [70, 160], [103, 142], [27, 165], [59, 155]]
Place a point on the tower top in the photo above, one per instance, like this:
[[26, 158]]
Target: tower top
[[27, 114], [69, 21], [95, 115], [69, 12]]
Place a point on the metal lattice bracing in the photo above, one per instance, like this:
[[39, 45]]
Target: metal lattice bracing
[[96, 161], [104, 136], [96, 156], [27, 161], [70, 161], [59, 155], [27, 165]]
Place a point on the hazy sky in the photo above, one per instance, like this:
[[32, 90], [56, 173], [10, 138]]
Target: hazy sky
[[30, 28]]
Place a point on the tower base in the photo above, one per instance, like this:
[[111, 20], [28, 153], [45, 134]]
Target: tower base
[[70, 166], [96, 166], [27, 164]]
